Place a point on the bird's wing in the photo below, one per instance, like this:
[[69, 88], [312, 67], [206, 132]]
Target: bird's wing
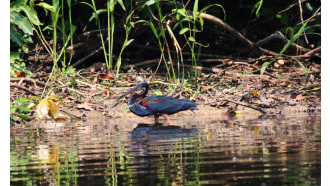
[[168, 105], [140, 110]]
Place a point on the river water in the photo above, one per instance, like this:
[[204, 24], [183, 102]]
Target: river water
[[213, 149]]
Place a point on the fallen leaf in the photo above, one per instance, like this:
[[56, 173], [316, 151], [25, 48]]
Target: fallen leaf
[[53, 109], [256, 128], [43, 108], [86, 105], [78, 124], [20, 74], [299, 96], [255, 94], [206, 87], [107, 77]]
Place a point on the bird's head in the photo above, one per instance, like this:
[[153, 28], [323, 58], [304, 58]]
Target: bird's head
[[140, 86]]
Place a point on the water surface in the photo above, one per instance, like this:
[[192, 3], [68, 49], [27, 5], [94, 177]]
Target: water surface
[[258, 150]]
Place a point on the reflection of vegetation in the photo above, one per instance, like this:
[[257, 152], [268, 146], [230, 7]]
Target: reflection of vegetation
[[235, 151]]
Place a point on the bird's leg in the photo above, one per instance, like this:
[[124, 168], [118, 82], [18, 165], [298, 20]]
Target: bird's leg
[[166, 119], [156, 118]]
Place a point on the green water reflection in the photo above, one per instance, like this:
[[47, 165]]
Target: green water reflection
[[278, 150]]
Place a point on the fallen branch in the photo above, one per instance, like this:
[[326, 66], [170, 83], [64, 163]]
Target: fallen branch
[[86, 57], [247, 105], [35, 82], [279, 35], [22, 88], [256, 49]]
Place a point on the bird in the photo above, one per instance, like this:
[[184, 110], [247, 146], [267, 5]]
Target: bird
[[142, 105]]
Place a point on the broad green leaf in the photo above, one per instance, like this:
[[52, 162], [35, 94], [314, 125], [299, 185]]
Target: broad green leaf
[[14, 56], [184, 30], [47, 6], [13, 108], [182, 11], [32, 14], [23, 109], [21, 116], [16, 36], [18, 68], [21, 101], [192, 39], [25, 48], [22, 22]]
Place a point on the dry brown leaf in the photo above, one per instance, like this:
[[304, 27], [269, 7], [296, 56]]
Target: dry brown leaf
[[107, 77], [20, 74], [53, 109], [206, 87], [299, 96], [86, 105]]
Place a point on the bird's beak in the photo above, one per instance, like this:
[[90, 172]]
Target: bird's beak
[[130, 91]]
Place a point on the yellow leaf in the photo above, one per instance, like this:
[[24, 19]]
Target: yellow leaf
[[238, 113], [53, 109], [43, 108], [78, 124], [255, 93]]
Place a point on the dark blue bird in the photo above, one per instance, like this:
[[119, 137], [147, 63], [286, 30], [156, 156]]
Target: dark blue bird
[[155, 105]]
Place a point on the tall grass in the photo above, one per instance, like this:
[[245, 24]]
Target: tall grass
[[189, 24], [58, 27], [108, 50]]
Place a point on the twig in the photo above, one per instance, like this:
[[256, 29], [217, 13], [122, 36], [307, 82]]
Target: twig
[[70, 114], [289, 7], [302, 19], [247, 105], [310, 53], [86, 57], [35, 82], [22, 88]]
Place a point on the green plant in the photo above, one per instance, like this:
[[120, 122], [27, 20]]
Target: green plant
[[187, 21], [17, 65], [57, 23], [22, 19], [108, 51], [21, 108], [293, 37]]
